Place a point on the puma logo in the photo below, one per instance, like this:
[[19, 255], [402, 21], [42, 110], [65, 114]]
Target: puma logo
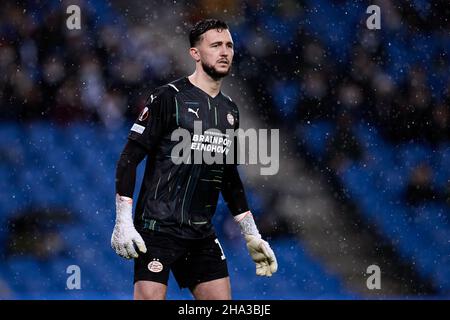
[[194, 112]]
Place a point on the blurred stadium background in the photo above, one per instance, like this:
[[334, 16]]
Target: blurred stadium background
[[364, 125]]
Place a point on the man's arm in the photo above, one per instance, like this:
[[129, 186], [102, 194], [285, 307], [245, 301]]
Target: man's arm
[[129, 159], [233, 191], [145, 134], [234, 195], [125, 236]]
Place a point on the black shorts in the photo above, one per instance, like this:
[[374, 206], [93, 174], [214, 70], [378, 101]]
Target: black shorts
[[191, 261]]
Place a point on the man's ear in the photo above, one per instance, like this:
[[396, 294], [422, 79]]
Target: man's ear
[[195, 54]]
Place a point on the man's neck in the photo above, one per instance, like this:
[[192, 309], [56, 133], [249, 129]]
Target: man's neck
[[204, 82]]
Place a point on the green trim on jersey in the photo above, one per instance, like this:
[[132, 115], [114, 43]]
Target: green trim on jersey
[[176, 108], [184, 198]]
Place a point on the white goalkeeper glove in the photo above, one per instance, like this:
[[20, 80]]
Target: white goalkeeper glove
[[259, 249], [125, 236]]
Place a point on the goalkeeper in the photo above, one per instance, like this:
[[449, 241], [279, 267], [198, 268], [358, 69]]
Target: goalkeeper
[[171, 229]]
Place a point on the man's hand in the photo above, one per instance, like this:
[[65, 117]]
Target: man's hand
[[260, 251], [262, 255], [125, 236]]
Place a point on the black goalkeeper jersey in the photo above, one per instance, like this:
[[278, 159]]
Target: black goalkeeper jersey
[[181, 199]]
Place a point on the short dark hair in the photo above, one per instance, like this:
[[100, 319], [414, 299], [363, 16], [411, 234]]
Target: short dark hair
[[202, 26]]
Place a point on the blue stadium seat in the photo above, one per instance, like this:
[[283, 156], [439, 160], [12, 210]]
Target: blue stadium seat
[[315, 136], [412, 155], [9, 131], [394, 181], [26, 274], [358, 180]]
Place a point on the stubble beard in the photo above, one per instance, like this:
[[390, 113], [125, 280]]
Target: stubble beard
[[213, 73]]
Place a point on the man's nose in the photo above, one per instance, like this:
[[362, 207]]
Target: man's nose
[[224, 51]]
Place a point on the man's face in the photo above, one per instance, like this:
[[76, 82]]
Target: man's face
[[216, 52]]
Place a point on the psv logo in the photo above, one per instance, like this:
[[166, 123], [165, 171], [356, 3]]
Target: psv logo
[[230, 119], [155, 266]]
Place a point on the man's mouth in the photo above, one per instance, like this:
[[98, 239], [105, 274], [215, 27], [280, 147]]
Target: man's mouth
[[223, 61]]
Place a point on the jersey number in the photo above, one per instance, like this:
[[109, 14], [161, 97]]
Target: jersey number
[[221, 250]]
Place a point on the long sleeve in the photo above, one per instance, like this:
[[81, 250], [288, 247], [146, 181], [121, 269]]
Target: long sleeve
[[132, 154], [233, 191]]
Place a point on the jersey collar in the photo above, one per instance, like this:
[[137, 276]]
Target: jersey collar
[[190, 84]]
